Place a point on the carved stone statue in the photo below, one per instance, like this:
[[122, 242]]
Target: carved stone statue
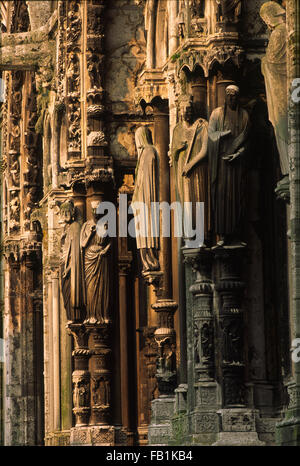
[[188, 156], [146, 191], [274, 69], [228, 132], [198, 8], [95, 245], [71, 266], [229, 10]]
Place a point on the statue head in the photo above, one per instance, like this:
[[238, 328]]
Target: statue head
[[187, 108], [67, 211], [272, 14], [143, 138], [232, 93], [95, 214]]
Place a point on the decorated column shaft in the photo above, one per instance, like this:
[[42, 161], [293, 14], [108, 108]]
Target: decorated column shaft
[[202, 390], [231, 325]]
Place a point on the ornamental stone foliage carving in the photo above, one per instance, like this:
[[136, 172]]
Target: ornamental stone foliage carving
[[73, 76], [31, 184], [95, 58], [230, 288]]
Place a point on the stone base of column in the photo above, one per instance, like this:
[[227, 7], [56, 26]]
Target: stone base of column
[[238, 428], [288, 430], [58, 439], [160, 429], [105, 436], [238, 439]]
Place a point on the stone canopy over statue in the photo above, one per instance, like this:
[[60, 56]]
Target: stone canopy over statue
[[228, 132], [188, 157], [274, 69]]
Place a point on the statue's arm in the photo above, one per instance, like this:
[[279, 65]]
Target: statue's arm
[[177, 145], [201, 154], [214, 133], [106, 249], [84, 237]]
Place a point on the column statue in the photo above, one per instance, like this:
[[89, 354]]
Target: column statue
[[188, 157], [228, 132], [146, 191], [95, 245], [71, 265], [274, 69]]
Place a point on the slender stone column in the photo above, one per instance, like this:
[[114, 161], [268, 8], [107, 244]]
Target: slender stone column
[[56, 348], [80, 379], [165, 306], [100, 367], [203, 398], [124, 267], [237, 420], [288, 431]]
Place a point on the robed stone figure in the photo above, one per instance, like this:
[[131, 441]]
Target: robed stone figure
[[190, 162], [95, 246], [274, 69], [71, 264], [146, 194], [228, 133]]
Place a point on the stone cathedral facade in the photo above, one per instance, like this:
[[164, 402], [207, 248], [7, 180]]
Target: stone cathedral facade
[[109, 340]]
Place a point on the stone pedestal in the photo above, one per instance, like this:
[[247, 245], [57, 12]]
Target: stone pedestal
[[238, 428], [104, 436], [160, 429]]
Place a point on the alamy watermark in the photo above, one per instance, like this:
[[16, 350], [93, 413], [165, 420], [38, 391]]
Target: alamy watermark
[[153, 220], [296, 350], [296, 92]]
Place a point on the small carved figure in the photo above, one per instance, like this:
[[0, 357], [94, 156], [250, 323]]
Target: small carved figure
[[197, 8], [229, 11], [15, 169]]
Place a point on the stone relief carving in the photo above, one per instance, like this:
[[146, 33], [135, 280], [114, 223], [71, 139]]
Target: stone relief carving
[[73, 37]]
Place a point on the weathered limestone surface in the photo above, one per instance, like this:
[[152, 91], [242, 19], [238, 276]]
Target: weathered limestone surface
[[98, 351]]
